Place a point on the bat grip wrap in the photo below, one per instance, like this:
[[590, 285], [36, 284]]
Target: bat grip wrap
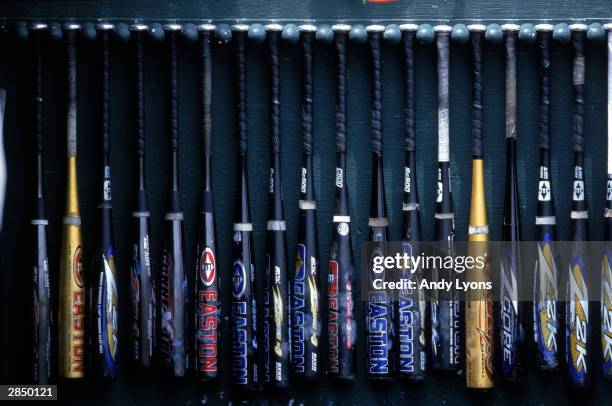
[[443, 43], [38, 99], [340, 39], [172, 50], [139, 55], [105, 94], [206, 90], [477, 38], [578, 81], [307, 93], [511, 38], [543, 46], [376, 114], [71, 124], [273, 37], [408, 40], [241, 79]]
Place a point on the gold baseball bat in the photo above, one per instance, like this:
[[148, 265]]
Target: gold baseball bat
[[478, 305], [71, 317]]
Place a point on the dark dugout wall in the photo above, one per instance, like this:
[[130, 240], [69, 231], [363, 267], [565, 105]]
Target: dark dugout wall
[[16, 78]]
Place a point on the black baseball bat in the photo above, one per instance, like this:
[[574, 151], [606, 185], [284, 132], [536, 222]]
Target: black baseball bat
[[342, 326], [512, 313], [244, 296], [208, 298], [103, 289], [379, 317], [606, 269], [411, 303], [277, 340], [142, 277], [173, 279], [545, 278], [41, 311], [578, 323], [446, 312], [306, 316]]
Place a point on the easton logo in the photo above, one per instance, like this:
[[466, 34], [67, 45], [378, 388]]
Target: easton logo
[[77, 266], [207, 267], [238, 280]]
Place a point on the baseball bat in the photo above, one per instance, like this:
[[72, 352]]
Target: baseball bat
[[512, 310], [411, 304], [342, 327], [277, 337], [446, 311], [103, 296], [72, 294], [577, 323], [606, 269], [478, 304], [208, 299], [244, 296], [380, 332], [545, 276], [41, 311], [173, 279], [306, 317], [142, 278]]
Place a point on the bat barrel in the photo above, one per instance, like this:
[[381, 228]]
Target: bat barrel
[[606, 277]]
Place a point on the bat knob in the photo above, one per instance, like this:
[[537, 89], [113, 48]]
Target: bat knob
[[55, 32], [257, 33], [392, 34], [562, 33], [527, 34], [325, 34], [88, 31], [190, 33], [156, 33], [20, 30], [291, 33], [223, 33], [596, 33], [425, 34], [494, 34], [122, 32], [358, 34], [460, 34]]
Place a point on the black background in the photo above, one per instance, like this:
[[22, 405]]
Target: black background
[[139, 387]]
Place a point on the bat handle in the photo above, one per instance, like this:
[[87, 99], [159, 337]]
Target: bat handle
[[173, 74], [340, 40], [307, 37], [206, 91], [104, 54], [544, 35], [273, 49], [71, 124], [408, 35], [376, 114], [139, 59], [578, 39], [239, 48], [477, 35]]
